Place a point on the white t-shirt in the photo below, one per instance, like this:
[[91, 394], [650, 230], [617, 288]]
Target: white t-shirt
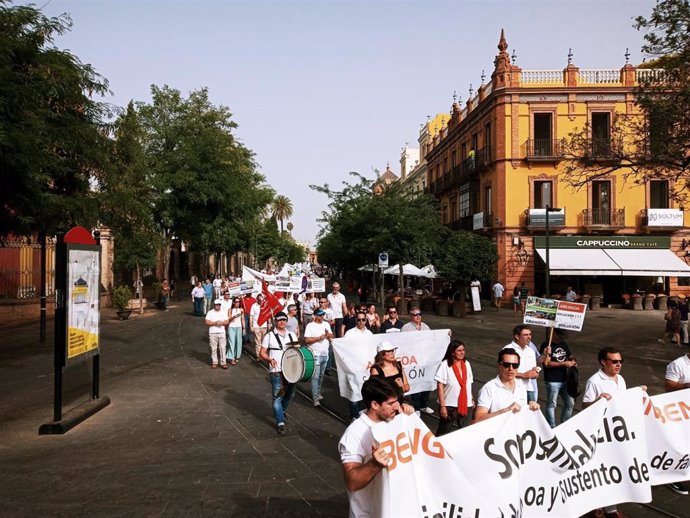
[[237, 321], [410, 326], [445, 375], [226, 305], [528, 360], [355, 332], [679, 370], [600, 383], [312, 331], [198, 292], [254, 315], [216, 316], [310, 305], [355, 446], [498, 289], [276, 349], [495, 396], [336, 302]]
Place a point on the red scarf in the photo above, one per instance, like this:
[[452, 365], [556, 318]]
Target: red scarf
[[462, 380]]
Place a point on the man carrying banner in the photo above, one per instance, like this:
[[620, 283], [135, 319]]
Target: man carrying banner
[[272, 349], [528, 371], [604, 384], [362, 458], [678, 378], [504, 393]]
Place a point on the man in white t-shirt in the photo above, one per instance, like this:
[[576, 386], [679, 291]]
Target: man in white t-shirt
[[362, 460], [528, 372], [258, 330], [360, 328], [504, 393], [338, 306], [317, 336], [497, 293], [216, 321], [605, 384], [678, 378], [272, 349]]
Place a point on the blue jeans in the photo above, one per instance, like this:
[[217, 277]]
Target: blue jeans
[[198, 306], [281, 398], [531, 395], [420, 400], [553, 390], [320, 362], [247, 329]]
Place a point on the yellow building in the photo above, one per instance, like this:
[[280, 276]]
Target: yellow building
[[499, 162]]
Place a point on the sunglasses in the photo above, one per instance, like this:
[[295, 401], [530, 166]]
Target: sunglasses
[[615, 362], [361, 320], [281, 319], [509, 365], [416, 314], [392, 312]]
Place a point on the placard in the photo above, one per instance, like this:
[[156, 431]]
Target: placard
[[560, 314], [82, 302]]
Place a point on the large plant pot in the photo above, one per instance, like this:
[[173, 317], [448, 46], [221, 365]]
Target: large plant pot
[[457, 308], [442, 308], [585, 299], [649, 302], [428, 304], [415, 303], [637, 303], [402, 306], [595, 303], [662, 302], [124, 314]]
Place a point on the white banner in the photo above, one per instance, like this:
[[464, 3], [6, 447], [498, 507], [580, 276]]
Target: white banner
[[515, 465], [420, 353]]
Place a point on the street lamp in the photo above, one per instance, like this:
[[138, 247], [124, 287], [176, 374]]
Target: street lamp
[[546, 246]]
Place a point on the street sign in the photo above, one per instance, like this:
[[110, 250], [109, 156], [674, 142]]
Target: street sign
[[383, 260]]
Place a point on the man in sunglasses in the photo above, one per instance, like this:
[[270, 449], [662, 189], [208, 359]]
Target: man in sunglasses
[[360, 328], [391, 324], [420, 400], [504, 393]]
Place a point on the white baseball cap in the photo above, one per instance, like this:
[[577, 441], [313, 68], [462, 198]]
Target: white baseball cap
[[385, 346]]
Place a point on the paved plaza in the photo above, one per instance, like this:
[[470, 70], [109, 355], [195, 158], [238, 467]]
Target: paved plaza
[[181, 439]]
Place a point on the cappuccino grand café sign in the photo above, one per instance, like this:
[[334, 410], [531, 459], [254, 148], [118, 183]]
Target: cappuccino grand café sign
[[618, 242]]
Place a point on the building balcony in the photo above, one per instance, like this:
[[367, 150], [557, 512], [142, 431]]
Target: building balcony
[[536, 218], [543, 150], [602, 218], [601, 149], [482, 220], [662, 219]]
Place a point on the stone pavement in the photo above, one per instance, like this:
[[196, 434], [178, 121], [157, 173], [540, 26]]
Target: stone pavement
[[180, 438]]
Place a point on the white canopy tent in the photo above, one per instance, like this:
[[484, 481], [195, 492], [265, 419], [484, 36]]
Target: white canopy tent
[[429, 271], [366, 268], [408, 269]]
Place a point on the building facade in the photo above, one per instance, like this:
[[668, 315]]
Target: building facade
[[500, 162]]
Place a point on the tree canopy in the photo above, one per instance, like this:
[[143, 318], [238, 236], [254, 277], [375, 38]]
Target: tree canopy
[[466, 256], [205, 186], [281, 207], [52, 136], [656, 144], [359, 224]]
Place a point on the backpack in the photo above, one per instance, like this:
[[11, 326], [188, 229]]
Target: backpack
[[572, 383]]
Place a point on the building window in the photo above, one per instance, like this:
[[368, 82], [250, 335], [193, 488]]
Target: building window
[[601, 202], [543, 194], [487, 137], [683, 281], [475, 141], [658, 194], [488, 205], [444, 214], [543, 134], [453, 159], [453, 208], [464, 200], [601, 133]]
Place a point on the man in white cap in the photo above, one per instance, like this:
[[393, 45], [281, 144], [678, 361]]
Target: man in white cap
[[317, 336], [216, 321]]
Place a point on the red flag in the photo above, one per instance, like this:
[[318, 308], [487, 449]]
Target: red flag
[[269, 307]]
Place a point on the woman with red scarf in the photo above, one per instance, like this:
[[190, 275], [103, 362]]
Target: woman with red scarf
[[454, 379]]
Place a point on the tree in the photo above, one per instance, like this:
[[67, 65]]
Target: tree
[[360, 224], [290, 227], [205, 185], [52, 138], [125, 194], [464, 257], [269, 243], [281, 209], [655, 143]]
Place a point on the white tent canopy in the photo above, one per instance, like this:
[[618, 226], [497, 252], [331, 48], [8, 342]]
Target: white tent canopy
[[408, 269], [366, 268], [429, 271]]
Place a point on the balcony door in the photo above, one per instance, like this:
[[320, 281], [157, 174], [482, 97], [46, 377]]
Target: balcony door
[[543, 134], [601, 202], [601, 134]]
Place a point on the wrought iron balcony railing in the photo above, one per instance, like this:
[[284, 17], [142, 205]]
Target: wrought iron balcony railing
[[602, 218], [543, 149]]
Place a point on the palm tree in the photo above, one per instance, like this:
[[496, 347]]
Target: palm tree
[[282, 209]]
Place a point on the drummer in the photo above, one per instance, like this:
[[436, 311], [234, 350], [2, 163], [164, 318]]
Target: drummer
[[274, 344]]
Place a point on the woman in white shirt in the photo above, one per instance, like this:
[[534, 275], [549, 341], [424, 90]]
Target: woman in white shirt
[[454, 380], [235, 331]]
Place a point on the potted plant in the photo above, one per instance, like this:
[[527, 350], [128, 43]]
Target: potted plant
[[121, 296]]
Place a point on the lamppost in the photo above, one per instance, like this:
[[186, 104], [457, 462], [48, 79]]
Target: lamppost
[[546, 246]]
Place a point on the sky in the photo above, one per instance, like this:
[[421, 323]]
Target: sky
[[322, 88]]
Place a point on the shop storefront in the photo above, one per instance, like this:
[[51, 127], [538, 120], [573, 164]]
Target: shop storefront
[[611, 265]]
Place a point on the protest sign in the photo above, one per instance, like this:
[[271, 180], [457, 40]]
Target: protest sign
[[555, 313], [316, 285], [419, 352], [515, 465]]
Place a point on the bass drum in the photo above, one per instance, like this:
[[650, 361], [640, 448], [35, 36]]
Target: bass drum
[[297, 364]]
